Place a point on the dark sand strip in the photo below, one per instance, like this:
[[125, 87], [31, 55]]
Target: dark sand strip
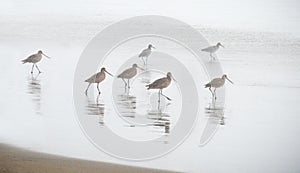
[[15, 160]]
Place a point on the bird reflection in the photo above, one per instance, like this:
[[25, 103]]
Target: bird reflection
[[95, 108], [146, 76], [216, 115], [160, 119], [215, 118], [127, 105], [34, 89]]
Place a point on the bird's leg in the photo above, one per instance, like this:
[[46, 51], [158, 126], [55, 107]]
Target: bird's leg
[[98, 88], [165, 96], [146, 61], [128, 83], [32, 68], [125, 85], [213, 98], [215, 94], [143, 61], [97, 100], [87, 88], [38, 68], [158, 99], [124, 82], [212, 93], [159, 93], [213, 57]]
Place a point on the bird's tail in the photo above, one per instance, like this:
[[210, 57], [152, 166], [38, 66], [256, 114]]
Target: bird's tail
[[24, 61], [148, 86], [207, 85], [89, 80]]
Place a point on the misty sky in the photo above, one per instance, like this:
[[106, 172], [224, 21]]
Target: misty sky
[[266, 15]]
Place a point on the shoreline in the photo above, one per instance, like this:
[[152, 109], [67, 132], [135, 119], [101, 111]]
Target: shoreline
[[17, 160]]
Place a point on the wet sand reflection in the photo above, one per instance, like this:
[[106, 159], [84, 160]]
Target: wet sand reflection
[[34, 89], [215, 117], [161, 120], [157, 120], [95, 108], [127, 105]]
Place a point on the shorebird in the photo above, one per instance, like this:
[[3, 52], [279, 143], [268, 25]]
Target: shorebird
[[212, 49], [35, 58], [161, 84], [145, 53], [216, 83], [97, 78], [128, 74]]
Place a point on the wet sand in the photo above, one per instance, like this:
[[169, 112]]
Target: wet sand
[[16, 160]]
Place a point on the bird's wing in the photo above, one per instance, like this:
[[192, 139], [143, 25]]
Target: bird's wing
[[216, 81], [145, 52], [29, 59], [92, 78], [209, 49], [157, 83], [125, 74]]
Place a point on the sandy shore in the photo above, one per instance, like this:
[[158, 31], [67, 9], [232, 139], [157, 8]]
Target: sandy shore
[[15, 160]]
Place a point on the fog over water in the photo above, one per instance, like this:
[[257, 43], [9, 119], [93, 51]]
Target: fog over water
[[260, 128]]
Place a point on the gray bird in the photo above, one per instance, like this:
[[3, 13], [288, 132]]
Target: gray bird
[[97, 78], [146, 53], [128, 74], [161, 84], [216, 83], [212, 49], [35, 58]]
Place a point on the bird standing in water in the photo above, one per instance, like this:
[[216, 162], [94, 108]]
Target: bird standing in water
[[212, 49], [146, 53], [216, 83], [161, 84], [128, 74], [97, 78], [35, 58]]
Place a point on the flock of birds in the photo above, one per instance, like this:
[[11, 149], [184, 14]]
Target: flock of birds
[[128, 74]]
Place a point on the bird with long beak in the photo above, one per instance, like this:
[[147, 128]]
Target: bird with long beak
[[161, 84], [128, 74], [35, 58], [97, 78], [146, 53], [212, 49], [217, 83]]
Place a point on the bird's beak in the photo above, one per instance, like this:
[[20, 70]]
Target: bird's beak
[[229, 80], [153, 47], [140, 68], [222, 45], [46, 56], [109, 73], [174, 79]]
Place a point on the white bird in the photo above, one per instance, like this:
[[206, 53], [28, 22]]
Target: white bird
[[35, 58], [128, 74], [161, 84], [212, 49], [216, 83], [97, 78], [146, 53]]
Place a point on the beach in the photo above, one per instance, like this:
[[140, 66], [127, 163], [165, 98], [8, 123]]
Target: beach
[[16, 160], [40, 129]]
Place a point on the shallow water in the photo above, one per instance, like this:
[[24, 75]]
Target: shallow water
[[257, 127]]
